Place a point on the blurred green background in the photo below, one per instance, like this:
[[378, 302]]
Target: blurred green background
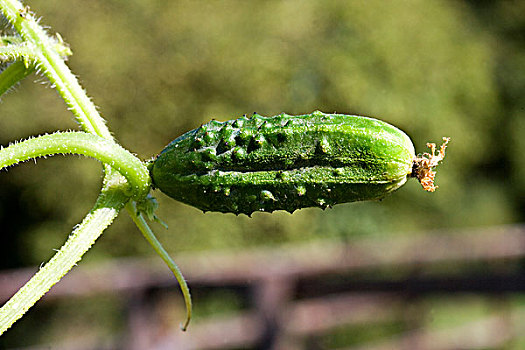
[[157, 69]]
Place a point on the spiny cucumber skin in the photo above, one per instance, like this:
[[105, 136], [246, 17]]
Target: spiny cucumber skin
[[284, 162]]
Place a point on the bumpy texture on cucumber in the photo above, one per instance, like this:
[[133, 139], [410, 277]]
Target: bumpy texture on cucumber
[[284, 162]]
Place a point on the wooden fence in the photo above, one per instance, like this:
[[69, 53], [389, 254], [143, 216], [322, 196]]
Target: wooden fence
[[298, 293]]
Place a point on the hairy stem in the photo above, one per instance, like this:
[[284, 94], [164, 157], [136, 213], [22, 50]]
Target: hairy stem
[[107, 207], [16, 52], [138, 219], [81, 143], [52, 65], [46, 55]]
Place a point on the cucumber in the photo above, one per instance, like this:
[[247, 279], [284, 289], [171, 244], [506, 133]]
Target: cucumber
[[284, 162]]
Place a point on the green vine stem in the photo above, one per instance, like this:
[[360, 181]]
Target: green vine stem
[[24, 63], [48, 60], [16, 52], [138, 219], [45, 56], [81, 143], [106, 209]]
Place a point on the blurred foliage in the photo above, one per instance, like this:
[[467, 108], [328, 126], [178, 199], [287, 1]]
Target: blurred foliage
[[159, 68]]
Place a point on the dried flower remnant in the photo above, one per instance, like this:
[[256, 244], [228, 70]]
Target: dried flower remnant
[[424, 164]]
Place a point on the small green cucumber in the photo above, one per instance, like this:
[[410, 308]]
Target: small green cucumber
[[284, 162]]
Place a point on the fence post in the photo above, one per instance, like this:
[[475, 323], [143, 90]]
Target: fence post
[[272, 295]]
